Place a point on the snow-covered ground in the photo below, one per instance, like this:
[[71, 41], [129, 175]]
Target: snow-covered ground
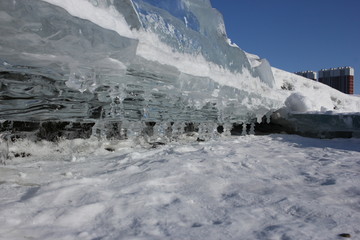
[[249, 187]]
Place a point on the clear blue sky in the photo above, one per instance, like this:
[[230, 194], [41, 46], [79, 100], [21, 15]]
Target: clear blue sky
[[297, 35]]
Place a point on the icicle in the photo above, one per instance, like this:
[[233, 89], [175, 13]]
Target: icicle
[[252, 129], [134, 130], [177, 129], [117, 95], [203, 131], [268, 117], [227, 129], [98, 130], [214, 131], [259, 119], [162, 132], [159, 131], [123, 131], [244, 132], [116, 108], [4, 147]]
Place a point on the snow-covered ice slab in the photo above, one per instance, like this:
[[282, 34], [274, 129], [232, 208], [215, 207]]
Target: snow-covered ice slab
[[139, 60], [294, 188], [131, 63]]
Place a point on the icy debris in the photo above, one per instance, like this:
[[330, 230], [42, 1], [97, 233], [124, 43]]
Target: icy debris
[[244, 131], [4, 147]]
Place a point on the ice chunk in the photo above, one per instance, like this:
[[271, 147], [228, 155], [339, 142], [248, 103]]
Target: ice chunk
[[133, 60]]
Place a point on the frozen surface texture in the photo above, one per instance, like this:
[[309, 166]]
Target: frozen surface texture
[[294, 188], [126, 59]]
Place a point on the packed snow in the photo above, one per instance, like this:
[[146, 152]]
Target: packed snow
[[248, 187]]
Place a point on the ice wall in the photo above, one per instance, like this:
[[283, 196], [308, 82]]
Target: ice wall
[[126, 60]]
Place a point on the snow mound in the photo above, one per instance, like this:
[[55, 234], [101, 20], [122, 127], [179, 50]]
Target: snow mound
[[299, 102], [304, 95]]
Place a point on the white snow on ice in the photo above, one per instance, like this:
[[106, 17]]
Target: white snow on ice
[[250, 187], [105, 17], [301, 94]]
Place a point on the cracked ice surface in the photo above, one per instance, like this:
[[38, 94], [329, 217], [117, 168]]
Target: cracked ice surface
[[294, 188]]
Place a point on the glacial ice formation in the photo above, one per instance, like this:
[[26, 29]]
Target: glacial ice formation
[[136, 60]]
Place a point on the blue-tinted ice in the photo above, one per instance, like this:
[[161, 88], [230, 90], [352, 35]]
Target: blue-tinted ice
[[59, 66]]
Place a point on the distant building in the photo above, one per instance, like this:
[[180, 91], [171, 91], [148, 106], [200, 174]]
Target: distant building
[[341, 79], [308, 74]]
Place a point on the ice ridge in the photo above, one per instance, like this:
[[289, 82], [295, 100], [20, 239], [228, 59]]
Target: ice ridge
[[127, 61]]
